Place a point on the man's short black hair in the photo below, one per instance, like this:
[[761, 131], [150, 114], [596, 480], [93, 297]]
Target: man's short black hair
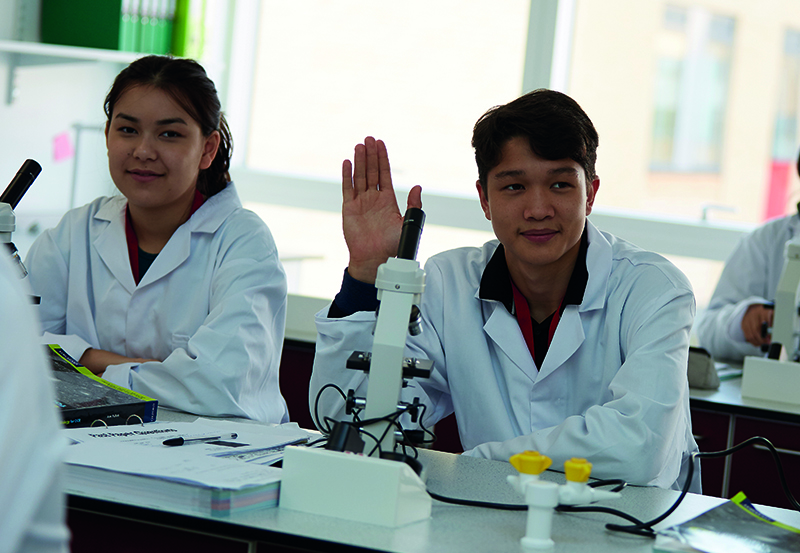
[[554, 124]]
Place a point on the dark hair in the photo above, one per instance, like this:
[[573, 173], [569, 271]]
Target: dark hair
[[187, 83], [554, 124]]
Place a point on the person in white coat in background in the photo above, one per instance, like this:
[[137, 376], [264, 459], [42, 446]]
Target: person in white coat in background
[[31, 445], [555, 337], [740, 310], [171, 289]]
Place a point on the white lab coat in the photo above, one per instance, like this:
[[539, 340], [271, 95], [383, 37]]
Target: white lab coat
[[612, 388], [750, 276], [31, 444], [212, 305]]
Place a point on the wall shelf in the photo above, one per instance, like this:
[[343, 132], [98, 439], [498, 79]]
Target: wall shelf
[[25, 54]]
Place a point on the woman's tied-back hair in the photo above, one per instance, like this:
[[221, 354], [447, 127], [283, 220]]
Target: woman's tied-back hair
[[553, 123], [186, 82]]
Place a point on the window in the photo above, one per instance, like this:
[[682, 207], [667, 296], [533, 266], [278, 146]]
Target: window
[[417, 74], [683, 95], [784, 142], [694, 51]]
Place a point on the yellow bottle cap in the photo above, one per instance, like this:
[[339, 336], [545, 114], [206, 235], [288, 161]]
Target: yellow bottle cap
[[530, 462], [577, 470]]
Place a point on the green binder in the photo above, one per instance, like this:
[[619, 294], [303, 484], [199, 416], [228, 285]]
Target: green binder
[[82, 23], [126, 25]]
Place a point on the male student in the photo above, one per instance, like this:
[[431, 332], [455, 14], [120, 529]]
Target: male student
[[731, 327], [555, 337]]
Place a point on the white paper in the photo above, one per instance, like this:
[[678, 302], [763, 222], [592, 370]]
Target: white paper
[[179, 464], [256, 443]]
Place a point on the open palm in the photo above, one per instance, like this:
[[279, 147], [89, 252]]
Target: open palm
[[371, 219]]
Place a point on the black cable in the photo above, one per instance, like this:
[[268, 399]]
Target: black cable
[[368, 434], [316, 406], [422, 426], [475, 503], [597, 509], [391, 419], [775, 456], [645, 528], [618, 484], [638, 527]]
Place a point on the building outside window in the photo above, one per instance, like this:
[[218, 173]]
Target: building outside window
[[694, 51]]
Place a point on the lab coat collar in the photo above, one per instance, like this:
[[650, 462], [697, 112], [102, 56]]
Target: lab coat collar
[[598, 263], [496, 281], [111, 244], [500, 325], [111, 241]]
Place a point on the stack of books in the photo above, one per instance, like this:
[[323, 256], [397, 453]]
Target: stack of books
[[223, 466]]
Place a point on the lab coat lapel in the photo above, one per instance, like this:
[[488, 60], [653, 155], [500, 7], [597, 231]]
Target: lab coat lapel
[[207, 219], [569, 334], [568, 338], [107, 243], [502, 328], [171, 257]]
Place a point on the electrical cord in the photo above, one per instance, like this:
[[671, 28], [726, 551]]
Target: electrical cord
[[392, 419], [327, 430], [475, 503], [637, 526], [646, 528], [618, 483]]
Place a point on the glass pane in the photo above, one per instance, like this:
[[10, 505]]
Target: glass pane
[[417, 74], [696, 104]]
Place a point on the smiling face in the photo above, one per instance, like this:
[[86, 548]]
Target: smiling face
[[156, 150], [538, 209]]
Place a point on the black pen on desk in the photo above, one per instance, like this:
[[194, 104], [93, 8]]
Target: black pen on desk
[[181, 440]]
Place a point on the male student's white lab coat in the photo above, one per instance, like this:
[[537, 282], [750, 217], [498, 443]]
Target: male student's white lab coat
[[32, 517], [212, 306], [750, 276], [612, 387]]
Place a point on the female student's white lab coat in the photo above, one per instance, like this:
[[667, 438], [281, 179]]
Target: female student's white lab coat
[[612, 387], [750, 276], [211, 307], [32, 446]]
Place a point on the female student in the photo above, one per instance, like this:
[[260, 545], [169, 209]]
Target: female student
[[171, 289]]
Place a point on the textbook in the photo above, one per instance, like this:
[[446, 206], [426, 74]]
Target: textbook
[[85, 399], [734, 526]]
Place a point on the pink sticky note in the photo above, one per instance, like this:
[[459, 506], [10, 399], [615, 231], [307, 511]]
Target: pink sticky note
[[62, 147]]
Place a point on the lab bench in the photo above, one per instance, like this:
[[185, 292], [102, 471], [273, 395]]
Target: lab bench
[[722, 418]]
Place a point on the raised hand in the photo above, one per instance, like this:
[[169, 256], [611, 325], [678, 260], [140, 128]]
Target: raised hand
[[371, 218]]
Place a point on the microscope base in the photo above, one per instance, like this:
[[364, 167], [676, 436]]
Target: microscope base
[[353, 487], [771, 380]]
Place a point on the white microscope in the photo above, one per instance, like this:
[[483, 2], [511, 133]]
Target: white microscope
[[8, 202], [777, 377], [368, 484]]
